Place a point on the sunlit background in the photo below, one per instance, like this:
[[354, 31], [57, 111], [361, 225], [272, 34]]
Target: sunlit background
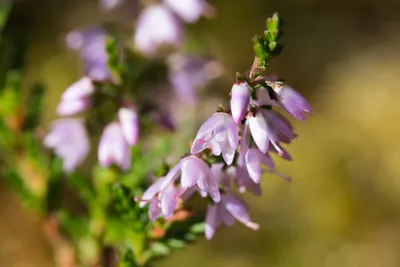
[[343, 205]]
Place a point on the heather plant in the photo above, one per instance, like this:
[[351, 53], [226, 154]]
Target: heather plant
[[130, 205]]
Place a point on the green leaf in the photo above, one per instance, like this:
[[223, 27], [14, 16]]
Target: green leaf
[[160, 249], [176, 243], [197, 228]]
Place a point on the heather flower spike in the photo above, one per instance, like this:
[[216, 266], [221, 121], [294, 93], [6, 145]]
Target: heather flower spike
[[240, 98], [113, 147], [220, 132]]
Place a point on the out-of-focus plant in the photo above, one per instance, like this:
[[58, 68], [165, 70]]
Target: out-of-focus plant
[[95, 216]]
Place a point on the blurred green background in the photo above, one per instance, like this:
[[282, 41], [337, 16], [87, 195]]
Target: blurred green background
[[342, 208]]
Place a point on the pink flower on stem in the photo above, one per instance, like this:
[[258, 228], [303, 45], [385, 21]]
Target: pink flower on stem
[[156, 26], [230, 208], [160, 195], [193, 171], [189, 10], [129, 121], [293, 102], [91, 43], [268, 126], [75, 98], [240, 98], [70, 142], [220, 132], [113, 148]]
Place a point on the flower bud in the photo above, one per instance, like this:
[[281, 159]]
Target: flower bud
[[240, 98], [129, 120], [113, 147]]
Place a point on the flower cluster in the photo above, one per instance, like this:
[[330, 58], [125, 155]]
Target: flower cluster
[[158, 25], [240, 140]]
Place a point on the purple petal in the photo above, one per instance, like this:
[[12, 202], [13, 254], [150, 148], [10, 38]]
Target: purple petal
[[80, 89], [294, 103], [113, 147], [156, 26], [154, 189], [238, 209], [240, 98], [129, 120], [231, 129], [192, 170], [213, 188], [226, 217], [72, 107], [70, 142], [154, 210], [212, 220], [228, 154], [168, 203], [172, 175], [253, 164], [266, 159], [188, 10], [259, 131]]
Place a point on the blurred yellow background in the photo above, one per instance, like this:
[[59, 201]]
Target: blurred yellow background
[[343, 205]]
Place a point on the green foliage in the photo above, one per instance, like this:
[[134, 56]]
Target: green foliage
[[267, 47]]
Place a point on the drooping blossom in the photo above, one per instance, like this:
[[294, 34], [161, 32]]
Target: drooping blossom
[[193, 171], [240, 98], [293, 102], [243, 179], [189, 73], [157, 26], [129, 121], [91, 43], [189, 10], [75, 98], [70, 142], [268, 126], [113, 147], [230, 208], [160, 195], [220, 132]]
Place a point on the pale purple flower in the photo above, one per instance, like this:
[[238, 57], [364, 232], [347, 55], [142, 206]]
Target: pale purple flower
[[75, 98], [129, 121], [220, 132], [194, 172], [230, 208], [113, 148], [156, 26], [188, 10], [160, 195], [70, 142], [240, 98], [190, 73], [293, 102], [268, 126], [111, 4], [243, 179], [91, 42]]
